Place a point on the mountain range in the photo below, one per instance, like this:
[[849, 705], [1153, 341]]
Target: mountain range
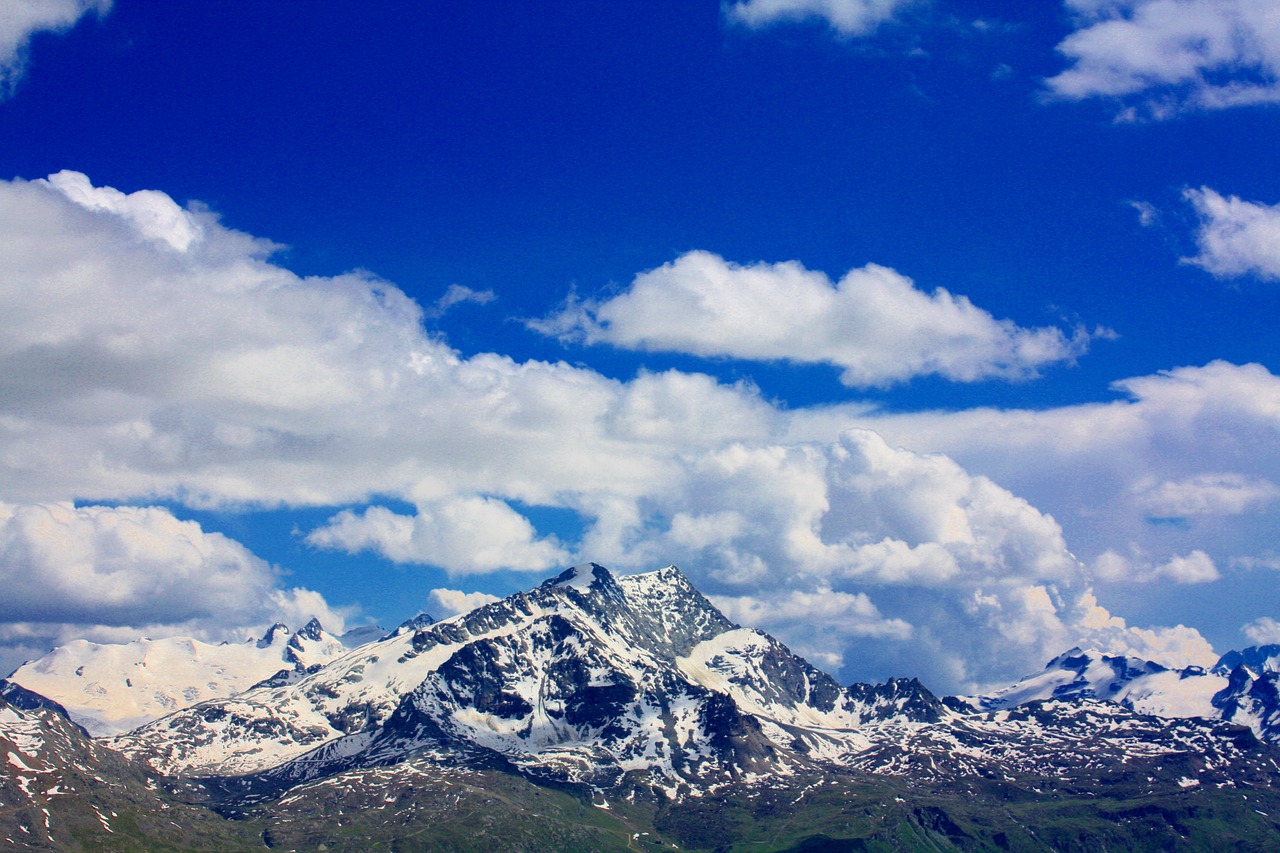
[[624, 711]]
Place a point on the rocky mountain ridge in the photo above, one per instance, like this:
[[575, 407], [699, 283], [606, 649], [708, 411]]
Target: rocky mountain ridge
[[636, 694], [1241, 688]]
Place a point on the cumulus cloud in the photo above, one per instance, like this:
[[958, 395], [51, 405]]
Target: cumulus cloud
[[1236, 237], [811, 620], [1175, 647], [1262, 632], [1173, 441], [941, 571], [847, 17], [149, 350], [463, 535], [1169, 55], [873, 323], [120, 572], [21, 19], [451, 602]]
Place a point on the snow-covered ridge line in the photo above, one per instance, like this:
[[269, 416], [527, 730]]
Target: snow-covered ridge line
[[111, 688], [611, 681], [1241, 688], [592, 674]]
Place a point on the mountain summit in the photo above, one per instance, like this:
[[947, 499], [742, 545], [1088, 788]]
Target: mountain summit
[[589, 676]]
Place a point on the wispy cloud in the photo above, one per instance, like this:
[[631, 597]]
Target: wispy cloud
[[459, 294], [847, 17], [21, 19]]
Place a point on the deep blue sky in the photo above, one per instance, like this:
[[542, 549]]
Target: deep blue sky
[[534, 150]]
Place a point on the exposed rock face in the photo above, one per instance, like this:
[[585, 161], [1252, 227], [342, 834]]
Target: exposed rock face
[[589, 677]]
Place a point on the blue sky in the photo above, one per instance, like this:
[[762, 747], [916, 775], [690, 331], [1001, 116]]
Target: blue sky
[[933, 337]]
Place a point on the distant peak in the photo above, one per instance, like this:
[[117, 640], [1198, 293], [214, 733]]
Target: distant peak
[[666, 574], [1074, 656], [277, 630], [422, 620], [582, 577], [313, 630], [1258, 658]]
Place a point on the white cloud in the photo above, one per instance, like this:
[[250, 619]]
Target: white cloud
[[818, 623], [149, 350], [463, 535], [1205, 494], [1176, 647], [1263, 631], [848, 17], [124, 571], [1168, 55], [890, 543], [451, 602], [21, 19], [1236, 237], [873, 323], [152, 214], [1195, 567], [1173, 442], [459, 294]]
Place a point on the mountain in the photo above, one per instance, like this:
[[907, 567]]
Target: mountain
[[357, 637], [588, 678], [607, 712], [110, 688], [1251, 697], [60, 790], [1258, 659], [1241, 688]]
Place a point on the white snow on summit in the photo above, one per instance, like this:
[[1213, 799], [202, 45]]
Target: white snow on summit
[[111, 688]]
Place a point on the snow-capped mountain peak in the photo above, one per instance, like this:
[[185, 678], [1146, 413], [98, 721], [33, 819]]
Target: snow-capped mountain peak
[[279, 632], [313, 630], [112, 687], [594, 674], [1243, 688], [1258, 659], [583, 578]]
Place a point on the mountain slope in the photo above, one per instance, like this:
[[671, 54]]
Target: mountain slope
[[587, 678], [603, 712], [59, 790], [111, 688]]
